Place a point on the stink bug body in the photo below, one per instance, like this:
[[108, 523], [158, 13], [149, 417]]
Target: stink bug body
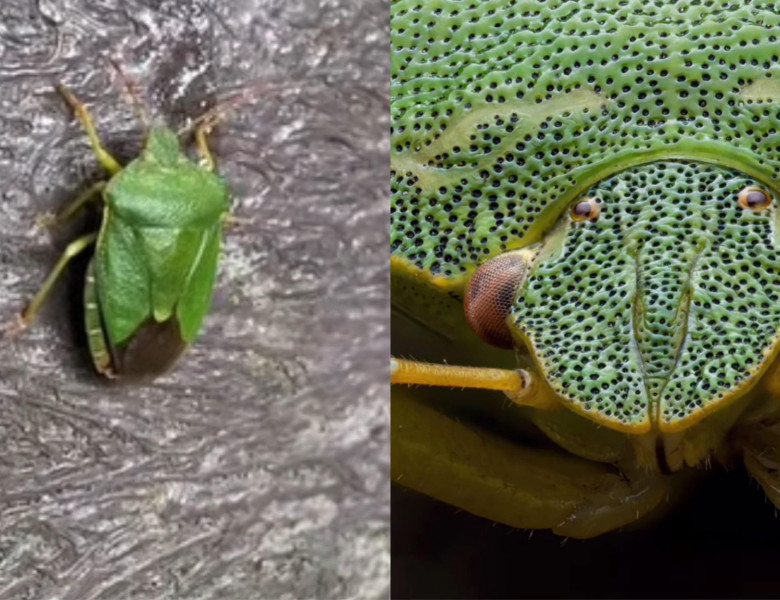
[[149, 284]]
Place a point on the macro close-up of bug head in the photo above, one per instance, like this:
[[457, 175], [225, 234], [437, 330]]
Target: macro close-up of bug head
[[584, 220]]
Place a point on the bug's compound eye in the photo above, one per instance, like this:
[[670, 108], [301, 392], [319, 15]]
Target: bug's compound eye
[[490, 295], [585, 209], [754, 198]]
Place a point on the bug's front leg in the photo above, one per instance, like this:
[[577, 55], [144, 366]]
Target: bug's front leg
[[109, 163]]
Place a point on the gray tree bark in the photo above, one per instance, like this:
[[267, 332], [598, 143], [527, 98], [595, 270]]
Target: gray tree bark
[[258, 468]]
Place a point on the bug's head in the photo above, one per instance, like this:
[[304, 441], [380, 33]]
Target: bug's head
[[162, 146], [655, 297]]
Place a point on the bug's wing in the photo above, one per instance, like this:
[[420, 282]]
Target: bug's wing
[[151, 273], [122, 278], [144, 273], [172, 254], [194, 302], [151, 351], [181, 265]]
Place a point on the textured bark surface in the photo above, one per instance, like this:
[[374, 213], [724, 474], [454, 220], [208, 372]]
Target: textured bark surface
[[259, 466]]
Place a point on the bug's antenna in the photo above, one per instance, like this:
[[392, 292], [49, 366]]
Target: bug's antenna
[[131, 89], [246, 95], [254, 90]]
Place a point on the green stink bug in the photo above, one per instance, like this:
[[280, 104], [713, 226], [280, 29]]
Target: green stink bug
[[586, 192], [149, 284]]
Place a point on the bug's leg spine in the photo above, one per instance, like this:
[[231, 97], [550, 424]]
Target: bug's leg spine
[[74, 249], [82, 114], [93, 323], [201, 139]]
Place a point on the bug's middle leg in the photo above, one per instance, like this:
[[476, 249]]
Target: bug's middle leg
[[109, 163], [74, 249], [91, 194]]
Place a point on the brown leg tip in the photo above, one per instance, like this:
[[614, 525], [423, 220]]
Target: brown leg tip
[[14, 328]]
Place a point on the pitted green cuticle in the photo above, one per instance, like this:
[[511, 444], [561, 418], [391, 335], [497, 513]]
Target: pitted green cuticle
[[663, 306], [504, 112]]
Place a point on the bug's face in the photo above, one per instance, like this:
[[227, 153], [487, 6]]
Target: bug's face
[[653, 300]]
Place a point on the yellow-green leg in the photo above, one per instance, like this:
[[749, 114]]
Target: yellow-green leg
[[74, 249], [201, 139], [89, 195], [82, 114], [500, 478], [70, 211]]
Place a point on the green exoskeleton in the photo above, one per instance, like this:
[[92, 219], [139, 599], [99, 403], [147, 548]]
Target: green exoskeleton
[[584, 215], [149, 283]]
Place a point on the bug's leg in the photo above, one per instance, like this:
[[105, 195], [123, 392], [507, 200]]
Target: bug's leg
[[517, 385], [74, 249], [201, 139], [234, 222], [93, 322], [131, 89], [757, 438], [502, 479], [89, 195], [82, 114]]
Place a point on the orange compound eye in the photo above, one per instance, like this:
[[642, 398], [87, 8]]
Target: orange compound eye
[[490, 295], [586, 209], [754, 198]]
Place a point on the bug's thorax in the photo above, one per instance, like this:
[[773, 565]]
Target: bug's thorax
[[164, 188]]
